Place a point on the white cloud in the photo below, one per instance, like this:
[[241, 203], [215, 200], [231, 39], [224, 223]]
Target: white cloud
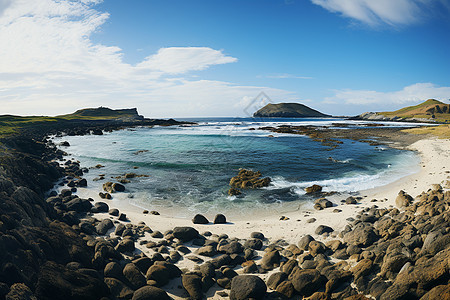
[[286, 76], [49, 65], [378, 12], [176, 60], [408, 95]]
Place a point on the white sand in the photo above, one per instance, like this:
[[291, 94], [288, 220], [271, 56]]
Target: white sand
[[435, 168]]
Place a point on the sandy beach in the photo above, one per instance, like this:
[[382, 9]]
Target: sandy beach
[[434, 169]]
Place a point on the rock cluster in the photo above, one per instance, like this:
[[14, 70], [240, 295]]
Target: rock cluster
[[248, 179]]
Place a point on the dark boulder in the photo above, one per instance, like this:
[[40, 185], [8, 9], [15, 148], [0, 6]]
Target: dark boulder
[[101, 207], [57, 282], [150, 293], [185, 234], [220, 219], [193, 285], [103, 227], [247, 287], [134, 276], [200, 219], [306, 282]]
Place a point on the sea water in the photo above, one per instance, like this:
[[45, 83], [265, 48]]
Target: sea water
[[189, 167]]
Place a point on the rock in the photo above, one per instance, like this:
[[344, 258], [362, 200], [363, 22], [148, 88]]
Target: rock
[[200, 219], [174, 271], [221, 260], [257, 235], [113, 187], [185, 234], [160, 274], [304, 242], [311, 220], [57, 282], [126, 245], [193, 285], [224, 283], [275, 279], [306, 282], [362, 268], [134, 276], [435, 242], [207, 270], [87, 228], [323, 229], [220, 219], [403, 200], [393, 261], [150, 293], [81, 183], [120, 229], [438, 292], [101, 207], [286, 288], [20, 291], [316, 247], [234, 192], [231, 248], [271, 260], [103, 227], [209, 251], [123, 217], [362, 235], [255, 244], [322, 203], [247, 287], [313, 189], [79, 205], [249, 179], [350, 200], [118, 289], [113, 270]]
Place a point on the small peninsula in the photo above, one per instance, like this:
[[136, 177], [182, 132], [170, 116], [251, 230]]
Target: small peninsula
[[288, 110]]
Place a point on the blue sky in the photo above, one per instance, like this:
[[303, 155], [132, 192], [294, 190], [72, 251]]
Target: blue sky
[[178, 58]]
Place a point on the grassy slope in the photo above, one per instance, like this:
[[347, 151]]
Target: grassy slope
[[420, 111]]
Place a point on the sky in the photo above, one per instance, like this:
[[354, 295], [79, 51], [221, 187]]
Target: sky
[[213, 58]]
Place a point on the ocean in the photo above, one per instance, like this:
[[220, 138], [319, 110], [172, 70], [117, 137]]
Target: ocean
[[188, 168]]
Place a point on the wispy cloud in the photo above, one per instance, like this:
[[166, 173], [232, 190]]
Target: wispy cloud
[[49, 64], [408, 95], [383, 12], [284, 76]]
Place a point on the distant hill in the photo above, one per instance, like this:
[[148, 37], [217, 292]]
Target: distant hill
[[429, 111], [129, 114], [287, 110]]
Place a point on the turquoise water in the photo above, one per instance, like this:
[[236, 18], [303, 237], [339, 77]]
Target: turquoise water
[[189, 168]]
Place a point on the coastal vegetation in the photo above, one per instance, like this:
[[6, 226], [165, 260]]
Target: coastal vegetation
[[429, 111]]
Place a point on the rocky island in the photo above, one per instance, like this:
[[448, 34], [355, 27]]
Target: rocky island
[[288, 110]]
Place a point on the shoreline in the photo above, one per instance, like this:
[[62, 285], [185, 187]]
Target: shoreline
[[138, 245], [413, 184], [435, 169]]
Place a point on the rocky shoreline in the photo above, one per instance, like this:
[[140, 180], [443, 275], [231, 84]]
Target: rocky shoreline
[[65, 247]]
